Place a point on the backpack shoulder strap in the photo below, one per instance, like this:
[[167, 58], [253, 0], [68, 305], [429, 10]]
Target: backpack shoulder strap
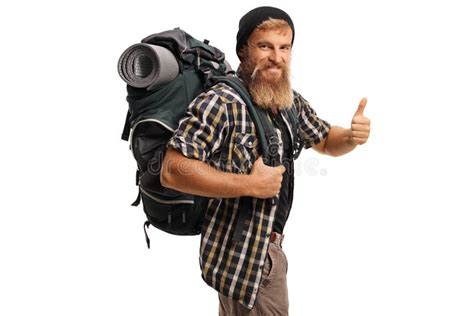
[[295, 129]]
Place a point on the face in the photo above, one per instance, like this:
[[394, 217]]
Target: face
[[270, 52], [265, 68]]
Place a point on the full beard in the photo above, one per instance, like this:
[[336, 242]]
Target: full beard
[[267, 90]]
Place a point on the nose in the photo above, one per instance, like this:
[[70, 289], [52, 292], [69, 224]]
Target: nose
[[276, 56]]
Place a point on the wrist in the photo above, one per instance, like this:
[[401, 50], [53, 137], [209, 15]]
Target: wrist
[[350, 141], [246, 184], [236, 185]]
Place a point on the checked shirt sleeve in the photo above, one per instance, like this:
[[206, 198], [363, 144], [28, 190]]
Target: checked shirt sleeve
[[201, 132], [312, 129]]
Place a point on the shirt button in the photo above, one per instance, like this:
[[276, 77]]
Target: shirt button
[[250, 143]]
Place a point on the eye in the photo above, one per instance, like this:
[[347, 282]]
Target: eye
[[264, 46]]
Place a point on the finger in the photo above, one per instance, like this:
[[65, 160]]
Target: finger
[[360, 127], [281, 168], [358, 119], [259, 161], [257, 165], [359, 140], [360, 134], [362, 104]]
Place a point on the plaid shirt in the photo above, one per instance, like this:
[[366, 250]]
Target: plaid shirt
[[218, 130]]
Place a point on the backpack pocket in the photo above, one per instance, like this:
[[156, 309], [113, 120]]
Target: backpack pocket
[[179, 214]]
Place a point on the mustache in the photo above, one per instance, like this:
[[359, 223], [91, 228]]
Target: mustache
[[266, 63]]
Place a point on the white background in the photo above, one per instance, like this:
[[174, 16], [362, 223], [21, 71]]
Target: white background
[[385, 230]]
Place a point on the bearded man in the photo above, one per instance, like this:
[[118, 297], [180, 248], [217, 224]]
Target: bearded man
[[214, 153]]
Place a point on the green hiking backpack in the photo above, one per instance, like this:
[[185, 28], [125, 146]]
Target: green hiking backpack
[[164, 73]]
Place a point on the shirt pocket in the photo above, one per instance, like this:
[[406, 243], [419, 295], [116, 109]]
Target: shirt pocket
[[244, 152]]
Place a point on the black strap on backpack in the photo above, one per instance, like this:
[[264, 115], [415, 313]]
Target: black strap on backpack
[[126, 127], [298, 144]]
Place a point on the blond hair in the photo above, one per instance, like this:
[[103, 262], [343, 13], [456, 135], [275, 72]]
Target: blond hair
[[273, 24]]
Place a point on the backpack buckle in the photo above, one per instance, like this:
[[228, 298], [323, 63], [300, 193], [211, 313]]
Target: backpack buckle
[[273, 145], [272, 150]]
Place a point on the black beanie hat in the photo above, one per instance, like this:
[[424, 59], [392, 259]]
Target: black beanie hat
[[254, 18]]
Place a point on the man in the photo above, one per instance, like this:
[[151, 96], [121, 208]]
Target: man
[[214, 153]]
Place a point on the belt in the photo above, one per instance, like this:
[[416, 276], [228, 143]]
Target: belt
[[276, 238]]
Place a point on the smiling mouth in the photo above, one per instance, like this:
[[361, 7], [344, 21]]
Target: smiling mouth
[[274, 69]]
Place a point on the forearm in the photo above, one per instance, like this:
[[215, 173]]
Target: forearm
[[339, 141], [196, 177]]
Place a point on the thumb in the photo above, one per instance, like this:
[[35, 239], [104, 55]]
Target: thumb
[[362, 104], [258, 161], [281, 168]]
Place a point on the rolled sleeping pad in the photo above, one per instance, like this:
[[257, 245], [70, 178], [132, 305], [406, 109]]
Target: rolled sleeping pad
[[147, 66]]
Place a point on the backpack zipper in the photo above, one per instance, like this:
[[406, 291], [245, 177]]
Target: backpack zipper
[[156, 199]]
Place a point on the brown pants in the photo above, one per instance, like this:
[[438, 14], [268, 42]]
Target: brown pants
[[272, 297]]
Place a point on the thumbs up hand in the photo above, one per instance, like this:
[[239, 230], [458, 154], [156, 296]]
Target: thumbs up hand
[[360, 127]]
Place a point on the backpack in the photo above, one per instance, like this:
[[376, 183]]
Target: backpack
[[164, 73]]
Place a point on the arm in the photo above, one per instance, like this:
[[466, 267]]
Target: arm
[[337, 143], [185, 166], [340, 141], [196, 177]]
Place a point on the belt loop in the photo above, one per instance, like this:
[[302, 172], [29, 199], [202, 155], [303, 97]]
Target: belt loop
[[276, 238]]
